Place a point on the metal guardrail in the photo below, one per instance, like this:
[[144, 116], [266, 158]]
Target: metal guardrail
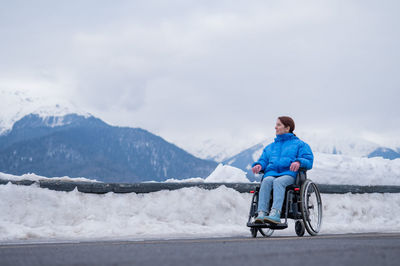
[[101, 188]]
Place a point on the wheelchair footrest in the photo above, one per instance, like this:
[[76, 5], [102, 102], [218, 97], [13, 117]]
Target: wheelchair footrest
[[267, 225]]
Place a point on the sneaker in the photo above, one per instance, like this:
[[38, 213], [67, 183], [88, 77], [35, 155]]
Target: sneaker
[[274, 217], [260, 218]]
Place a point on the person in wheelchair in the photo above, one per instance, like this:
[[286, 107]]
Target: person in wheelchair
[[280, 161]]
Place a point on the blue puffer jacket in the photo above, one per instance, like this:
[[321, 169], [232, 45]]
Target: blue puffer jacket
[[278, 156]]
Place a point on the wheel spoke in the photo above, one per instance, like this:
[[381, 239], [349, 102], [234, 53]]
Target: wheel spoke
[[311, 207]]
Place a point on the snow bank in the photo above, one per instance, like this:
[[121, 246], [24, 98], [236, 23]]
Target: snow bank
[[34, 177], [187, 180], [227, 173], [342, 169], [30, 213]]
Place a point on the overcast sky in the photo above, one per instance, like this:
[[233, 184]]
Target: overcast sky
[[221, 70]]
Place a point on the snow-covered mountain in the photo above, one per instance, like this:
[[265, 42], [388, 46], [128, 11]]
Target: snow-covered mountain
[[385, 153], [216, 150], [52, 137], [333, 142], [15, 104], [78, 146]]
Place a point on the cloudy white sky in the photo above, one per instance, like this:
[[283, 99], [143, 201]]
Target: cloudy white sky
[[220, 70]]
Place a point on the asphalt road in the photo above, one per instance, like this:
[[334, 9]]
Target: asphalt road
[[354, 249]]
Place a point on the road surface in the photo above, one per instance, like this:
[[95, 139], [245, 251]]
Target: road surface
[[353, 249]]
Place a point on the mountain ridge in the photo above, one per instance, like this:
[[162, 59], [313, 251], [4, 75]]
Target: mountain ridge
[[88, 147]]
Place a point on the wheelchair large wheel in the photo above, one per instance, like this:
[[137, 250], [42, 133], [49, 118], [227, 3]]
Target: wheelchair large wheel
[[311, 207], [265, 232]]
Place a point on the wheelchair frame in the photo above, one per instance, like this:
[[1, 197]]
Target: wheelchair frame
[[296, 206]]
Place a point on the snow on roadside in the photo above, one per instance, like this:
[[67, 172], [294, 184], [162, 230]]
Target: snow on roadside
[[34, 177], [343, 169], [187, 180], [227, 173], [32, 213]]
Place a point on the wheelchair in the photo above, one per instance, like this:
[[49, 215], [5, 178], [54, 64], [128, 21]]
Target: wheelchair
[[302, 203]]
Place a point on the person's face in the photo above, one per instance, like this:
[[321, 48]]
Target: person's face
[[280, 128]]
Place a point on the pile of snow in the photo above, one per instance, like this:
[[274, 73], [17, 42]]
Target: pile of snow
[[36, 178], [227, 173], [187, 180], [221, 174], [343, 169], [32, 213]]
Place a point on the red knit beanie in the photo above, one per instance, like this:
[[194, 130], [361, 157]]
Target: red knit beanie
[[287, 122]]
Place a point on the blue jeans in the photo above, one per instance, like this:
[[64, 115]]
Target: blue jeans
[[279, 184]]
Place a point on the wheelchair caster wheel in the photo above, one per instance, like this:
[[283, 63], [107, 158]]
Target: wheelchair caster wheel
[[299, 228], [253, 232], [266, 232]]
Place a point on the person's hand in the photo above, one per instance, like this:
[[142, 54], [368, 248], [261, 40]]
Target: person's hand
[[256, 169], [295, 166]]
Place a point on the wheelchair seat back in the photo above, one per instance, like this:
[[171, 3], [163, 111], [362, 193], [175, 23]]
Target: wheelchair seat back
[[301, 177]]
